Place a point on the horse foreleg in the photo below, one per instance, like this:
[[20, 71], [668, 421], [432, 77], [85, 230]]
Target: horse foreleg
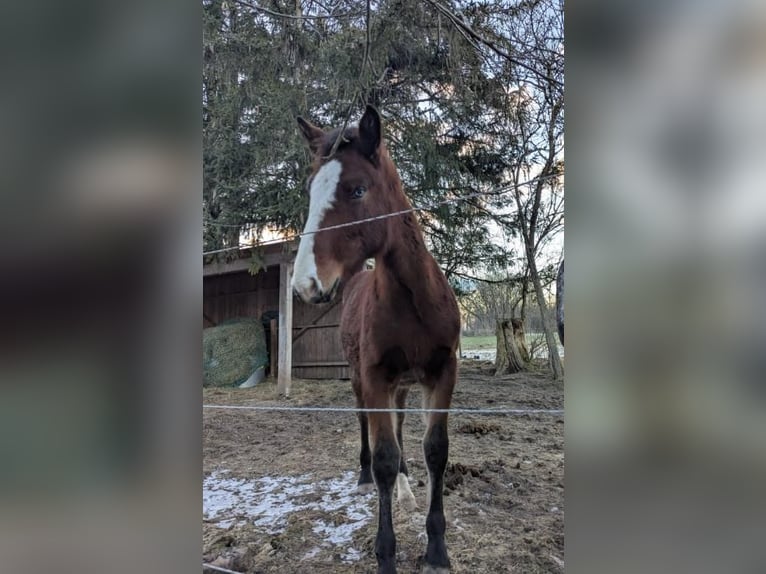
[[404, 493], [385, 468], [438, 395], [365, 483]]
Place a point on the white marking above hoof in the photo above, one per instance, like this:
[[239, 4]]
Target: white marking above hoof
[[404, 493], [365, 488]]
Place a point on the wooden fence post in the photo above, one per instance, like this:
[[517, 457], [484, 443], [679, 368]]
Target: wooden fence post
[[284, 370], [273, 347]]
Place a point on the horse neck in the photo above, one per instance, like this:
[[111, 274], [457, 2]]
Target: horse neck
[[404, 265]]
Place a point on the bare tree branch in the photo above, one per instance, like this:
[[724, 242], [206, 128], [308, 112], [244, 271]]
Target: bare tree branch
[[365, 58], [462, 25], [293, 16]]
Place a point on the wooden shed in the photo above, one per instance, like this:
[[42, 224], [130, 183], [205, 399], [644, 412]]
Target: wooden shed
[[310, 347]]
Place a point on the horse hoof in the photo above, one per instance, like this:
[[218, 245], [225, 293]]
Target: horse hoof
[[441, 566], [365, 488]]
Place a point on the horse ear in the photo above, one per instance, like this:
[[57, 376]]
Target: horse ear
[[369, 132], [311, 133]]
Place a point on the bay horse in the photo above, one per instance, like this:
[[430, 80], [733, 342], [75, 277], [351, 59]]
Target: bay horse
[[400, 320]]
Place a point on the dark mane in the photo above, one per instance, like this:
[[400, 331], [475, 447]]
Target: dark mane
[[350, 140], [350, 136]]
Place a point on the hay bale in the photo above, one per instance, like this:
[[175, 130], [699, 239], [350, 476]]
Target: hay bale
[[233, 351]]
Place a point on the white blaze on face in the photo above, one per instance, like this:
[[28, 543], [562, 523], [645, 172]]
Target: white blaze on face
[[322, 197]]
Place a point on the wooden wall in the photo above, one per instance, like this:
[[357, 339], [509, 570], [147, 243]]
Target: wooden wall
[[239, 295], [317, 354]]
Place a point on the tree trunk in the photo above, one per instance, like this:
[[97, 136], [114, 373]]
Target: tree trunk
[[528, 229], [550, 339], [521, 339], [524, 292], [510, 355]]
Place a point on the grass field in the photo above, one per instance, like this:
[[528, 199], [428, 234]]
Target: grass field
[[489, 341], [481, 342]]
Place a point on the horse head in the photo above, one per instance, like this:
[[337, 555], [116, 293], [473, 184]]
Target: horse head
[[348, 184]]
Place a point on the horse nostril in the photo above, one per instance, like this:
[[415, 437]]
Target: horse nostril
[[316, 290]]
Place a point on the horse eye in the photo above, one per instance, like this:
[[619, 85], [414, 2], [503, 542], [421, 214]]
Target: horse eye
[[359, 192]]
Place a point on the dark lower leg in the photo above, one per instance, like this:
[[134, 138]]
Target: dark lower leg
[[436, 448], [365, 474], [385, 467]]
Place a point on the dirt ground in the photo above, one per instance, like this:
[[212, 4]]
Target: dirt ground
[[279, 486]]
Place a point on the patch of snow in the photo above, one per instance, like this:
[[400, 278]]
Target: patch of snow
[[351, 555], [338, 534], [311, 553], [480, 354], [491, 354], [268, 501]]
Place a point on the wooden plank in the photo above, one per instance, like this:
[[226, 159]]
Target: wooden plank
[[284, 369], [307, 327], [274, 348], [208, 319], [323, 373], [319, 348], [320, 364], [316, 319], [222, 268]]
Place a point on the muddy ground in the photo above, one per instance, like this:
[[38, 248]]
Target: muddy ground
[[279, 486]]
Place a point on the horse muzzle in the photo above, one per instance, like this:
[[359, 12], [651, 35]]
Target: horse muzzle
[[311, 292]]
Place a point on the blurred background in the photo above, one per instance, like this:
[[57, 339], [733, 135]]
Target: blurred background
[[666, 246], [100, 188]]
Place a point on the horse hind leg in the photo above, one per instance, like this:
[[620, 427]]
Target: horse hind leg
[[404, 493]]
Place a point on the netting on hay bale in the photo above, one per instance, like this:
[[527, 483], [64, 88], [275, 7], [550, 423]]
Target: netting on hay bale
[[232, 351]]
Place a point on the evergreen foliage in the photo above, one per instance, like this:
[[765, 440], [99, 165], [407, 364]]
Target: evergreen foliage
[[470, 92]]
